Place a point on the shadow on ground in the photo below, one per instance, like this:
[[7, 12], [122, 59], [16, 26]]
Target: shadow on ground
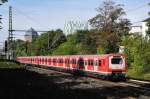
[[23, 84]]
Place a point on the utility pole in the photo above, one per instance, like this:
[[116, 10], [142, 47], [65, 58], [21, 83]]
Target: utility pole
[[10, 48], [48, 40]]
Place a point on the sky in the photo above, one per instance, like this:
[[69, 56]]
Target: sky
[[53, 14]]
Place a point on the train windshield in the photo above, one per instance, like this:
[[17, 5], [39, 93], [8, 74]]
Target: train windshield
[[116, 60]]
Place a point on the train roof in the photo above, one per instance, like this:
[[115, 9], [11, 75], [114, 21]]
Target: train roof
[[102, 55]]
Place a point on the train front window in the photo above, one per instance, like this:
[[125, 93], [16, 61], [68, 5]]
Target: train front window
[[116, 61]]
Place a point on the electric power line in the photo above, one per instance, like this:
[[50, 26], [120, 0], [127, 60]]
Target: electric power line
[[27, 16], [137, 8]]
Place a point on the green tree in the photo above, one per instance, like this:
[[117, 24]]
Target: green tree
[[110, 26], [40, 45], [85, 43], [66, 48], [139, 48], [78, 43], [21, 48]]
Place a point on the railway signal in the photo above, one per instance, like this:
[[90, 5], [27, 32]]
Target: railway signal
[[6, 46]]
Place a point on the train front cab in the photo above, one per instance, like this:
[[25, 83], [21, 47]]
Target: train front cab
[[117, 66]]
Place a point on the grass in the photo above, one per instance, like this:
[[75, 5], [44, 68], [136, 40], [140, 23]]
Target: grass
[[138, 75], [8, 64]]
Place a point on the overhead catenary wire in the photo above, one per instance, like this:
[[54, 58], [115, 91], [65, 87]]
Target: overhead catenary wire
[[137, 8], [26, 16], [138, 21]]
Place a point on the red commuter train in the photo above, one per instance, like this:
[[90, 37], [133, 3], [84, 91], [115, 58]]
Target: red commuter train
[[104, 66]]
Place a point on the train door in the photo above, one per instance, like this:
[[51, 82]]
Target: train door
[[100, 64], [73, 63], [40, 60], [46, 61], [85, 64], [37, 60], [49, 61], [97, 65], [90, 64], [54, 62], [80, 64], [61, 62], [66, 62]]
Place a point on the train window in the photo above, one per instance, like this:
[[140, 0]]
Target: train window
[[73, 61], [98, 63], [116, 60], [86, 62], [90, 62], [81, 61], [60, 60], [67, 61], [54, 60], [49, 60]]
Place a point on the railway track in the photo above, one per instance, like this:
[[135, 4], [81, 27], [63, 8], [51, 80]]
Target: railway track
[[143, 86]]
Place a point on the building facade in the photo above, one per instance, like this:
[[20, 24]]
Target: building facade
[[136, 29], [30, 35], [142, 29]]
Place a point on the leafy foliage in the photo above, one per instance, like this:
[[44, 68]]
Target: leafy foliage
[[139, 48], [40, 45], [110, 26], [77, 43]]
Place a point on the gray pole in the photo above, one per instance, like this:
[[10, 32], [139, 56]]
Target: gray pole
[[10, 53]]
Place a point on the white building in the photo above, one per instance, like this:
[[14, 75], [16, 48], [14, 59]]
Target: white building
[[144, 27], [136, 29], [140, 29]]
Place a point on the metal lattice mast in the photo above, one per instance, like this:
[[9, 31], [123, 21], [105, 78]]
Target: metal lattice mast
[[10, 24], [10, 35]]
